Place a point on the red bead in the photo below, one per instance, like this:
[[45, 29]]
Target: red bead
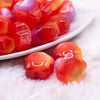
[[70, 68], [67, 9], [28, 12], [45, 9], [4, 25], [62, 23], [6, 44], [39, 65], [7, 13], [63, 48], [44, 33], [22, 36], [6, 3]]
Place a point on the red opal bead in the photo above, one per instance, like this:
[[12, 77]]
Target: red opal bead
[[6, 44], [45, 9], [22, 36], [62, 23], [39, 65], [63, 48], [70, 68], [7, 13], [67, 9], [44, 33], [28, 12]]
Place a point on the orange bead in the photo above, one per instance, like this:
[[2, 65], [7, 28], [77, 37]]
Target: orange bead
[[4, 25], [6, 44], [6, 3], [55, 4]]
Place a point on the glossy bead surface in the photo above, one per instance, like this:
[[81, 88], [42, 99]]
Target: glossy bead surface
[[6, 3], [55, 4], [44, 33], [22, 36], [28, 12], [63, 48], [70, 68], [39, 65], [6, 44], [4, 25], [67, 9], [45, 9], [62, 23], [7, 13], [26, 5]]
